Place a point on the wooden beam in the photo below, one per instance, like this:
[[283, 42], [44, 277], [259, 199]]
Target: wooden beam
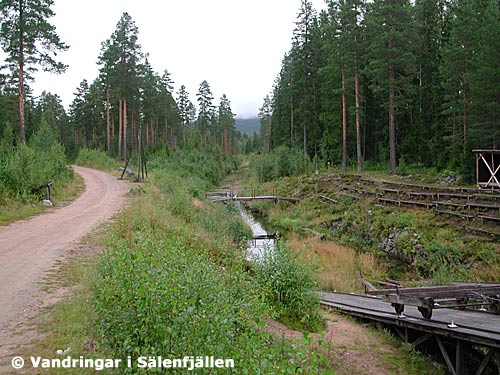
[[486, 360], [328, 199], [446, 356], [421, 340]]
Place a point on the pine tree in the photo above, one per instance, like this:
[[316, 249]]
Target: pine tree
[[350, 34], [121, 62], [226, 124], [30, 41]]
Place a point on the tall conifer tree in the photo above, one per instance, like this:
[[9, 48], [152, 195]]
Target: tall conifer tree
[[29, 41]]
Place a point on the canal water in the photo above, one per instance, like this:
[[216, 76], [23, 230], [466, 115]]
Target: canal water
[[261, 242]]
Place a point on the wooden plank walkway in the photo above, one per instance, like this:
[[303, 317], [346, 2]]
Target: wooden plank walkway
[[257, 198], [473, 326]]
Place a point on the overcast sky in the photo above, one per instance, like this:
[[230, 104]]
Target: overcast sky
[[236, 45]]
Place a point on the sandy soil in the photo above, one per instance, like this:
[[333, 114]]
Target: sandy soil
[[30, 248], [353, 349]]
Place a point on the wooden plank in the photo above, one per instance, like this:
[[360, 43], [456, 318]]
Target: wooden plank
[[482, 205], [491, 218], [349, 196], [450, 204], [418, 194], [387, 190], [265, 197], [483, 231], [328, 199], [440, 291], [452, 213]]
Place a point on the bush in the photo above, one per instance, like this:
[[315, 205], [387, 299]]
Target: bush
[[281, 162], [97, 159], [28, 166], [288, 285]]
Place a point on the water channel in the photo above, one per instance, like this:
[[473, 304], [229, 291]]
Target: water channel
[[262, 241]]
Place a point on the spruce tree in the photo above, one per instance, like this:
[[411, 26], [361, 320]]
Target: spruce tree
[[205, 109], [485, 82], [265, 114], [390, 59]]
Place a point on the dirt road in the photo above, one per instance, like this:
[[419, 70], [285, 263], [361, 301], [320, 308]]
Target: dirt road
[[29, 248]]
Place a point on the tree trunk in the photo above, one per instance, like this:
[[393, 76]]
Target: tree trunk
[[108, 138], [125, 130], [291, 122], [120, 128], [113, 145], [225, 141], [21, 74], [344, 124], [358, 122], [392, 122]]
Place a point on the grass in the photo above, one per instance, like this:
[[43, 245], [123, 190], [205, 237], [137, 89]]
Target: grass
[[410, 244], [341, 266]]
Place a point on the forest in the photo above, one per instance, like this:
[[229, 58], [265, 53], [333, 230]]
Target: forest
[[389, 82], [379, 86], [108, 112], [364, 84]]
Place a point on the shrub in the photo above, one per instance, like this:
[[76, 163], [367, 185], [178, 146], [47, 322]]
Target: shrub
[[97, 159], [281, 162], [288, 285], [29, 166]]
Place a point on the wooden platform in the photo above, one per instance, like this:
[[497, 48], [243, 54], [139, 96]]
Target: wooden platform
[[473, 326], [257, 198]]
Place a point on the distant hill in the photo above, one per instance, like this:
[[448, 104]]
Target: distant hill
[[248, 125]]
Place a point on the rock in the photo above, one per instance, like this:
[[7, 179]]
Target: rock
[[47, 203]]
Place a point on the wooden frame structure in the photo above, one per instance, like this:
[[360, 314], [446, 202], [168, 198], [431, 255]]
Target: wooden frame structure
[[487, 168]]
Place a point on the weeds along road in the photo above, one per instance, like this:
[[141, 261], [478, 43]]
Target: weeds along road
[[30, 248]]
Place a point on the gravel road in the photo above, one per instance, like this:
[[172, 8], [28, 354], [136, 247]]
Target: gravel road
[[30, 248]]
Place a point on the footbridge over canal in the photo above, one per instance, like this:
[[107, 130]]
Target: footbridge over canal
[[230, 195]]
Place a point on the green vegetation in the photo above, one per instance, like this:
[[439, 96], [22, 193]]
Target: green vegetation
[[405, 244], [96, 159], [24, 168], [281, 162], [173, 280], [287, 283]]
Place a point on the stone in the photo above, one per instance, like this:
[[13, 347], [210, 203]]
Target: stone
[[47, 203]]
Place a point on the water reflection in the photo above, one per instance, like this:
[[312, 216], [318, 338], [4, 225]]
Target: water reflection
[[262, 241]]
